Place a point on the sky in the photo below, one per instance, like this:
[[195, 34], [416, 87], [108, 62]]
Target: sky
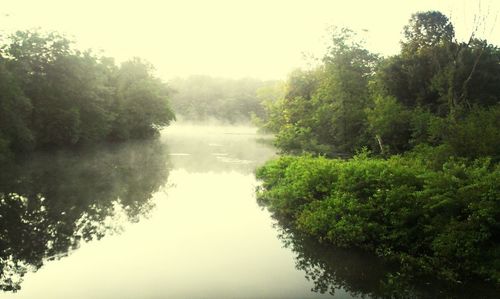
[[234, 39]]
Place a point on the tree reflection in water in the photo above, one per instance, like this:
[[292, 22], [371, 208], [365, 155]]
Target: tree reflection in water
[[363, 275], [51, 202]]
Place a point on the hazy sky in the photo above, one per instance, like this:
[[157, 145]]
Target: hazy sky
[[262, 39]]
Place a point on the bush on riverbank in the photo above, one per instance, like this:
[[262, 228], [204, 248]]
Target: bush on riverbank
[[435, 206], [443, 220]]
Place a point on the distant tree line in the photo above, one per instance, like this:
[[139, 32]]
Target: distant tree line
[[53, 95], [202, 98], [421, 134]]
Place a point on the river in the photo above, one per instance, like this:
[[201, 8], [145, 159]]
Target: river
[[175, 217]]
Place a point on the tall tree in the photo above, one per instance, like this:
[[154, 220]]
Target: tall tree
[[323, 109], [141, 103]]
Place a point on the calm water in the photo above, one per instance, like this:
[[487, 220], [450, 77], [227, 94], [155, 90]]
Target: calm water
[[171, 218]]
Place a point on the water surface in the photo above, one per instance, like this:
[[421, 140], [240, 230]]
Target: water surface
[[171, 218]]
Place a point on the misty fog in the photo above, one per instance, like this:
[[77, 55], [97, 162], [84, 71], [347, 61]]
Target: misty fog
[[249, 149]]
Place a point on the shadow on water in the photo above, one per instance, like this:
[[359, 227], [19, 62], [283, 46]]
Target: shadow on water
[[51, 202], [363, 275]]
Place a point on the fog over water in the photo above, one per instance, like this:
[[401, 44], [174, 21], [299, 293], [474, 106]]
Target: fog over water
[[204, 237], [129, 149], [175, 217]]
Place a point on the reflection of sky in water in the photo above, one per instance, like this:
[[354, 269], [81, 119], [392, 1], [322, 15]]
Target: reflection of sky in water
[[199, 234], [205, 238], [52, 201], [216, 149]]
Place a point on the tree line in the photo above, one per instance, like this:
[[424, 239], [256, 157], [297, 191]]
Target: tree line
[[419, 138], [53, 95], [202, 98], [436, 91]]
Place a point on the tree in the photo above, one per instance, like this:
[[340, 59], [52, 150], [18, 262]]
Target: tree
[[389, 122], [323, 109], [53, 95], [202, 98], [271, 100], [32, 59], [427, 30], [141, 103], [15, 110], [437, 72]]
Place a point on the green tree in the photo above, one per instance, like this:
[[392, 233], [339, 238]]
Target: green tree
[[389, 122], [33, 56], [437, 72], [141, 104], [15, 110], [202, 98], [323, 110], [427, 30], [344, 93], [271, 99], [55, 95]]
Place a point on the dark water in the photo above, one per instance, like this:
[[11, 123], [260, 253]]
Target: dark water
[[171, 218]]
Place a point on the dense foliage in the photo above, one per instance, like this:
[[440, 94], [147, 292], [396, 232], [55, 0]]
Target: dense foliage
[[53, 95], [436, 91], [204, 98], [434, 220], [430, 198]]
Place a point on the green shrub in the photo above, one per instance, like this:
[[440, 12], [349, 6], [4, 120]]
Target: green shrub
[[445, 220], [306, 180]]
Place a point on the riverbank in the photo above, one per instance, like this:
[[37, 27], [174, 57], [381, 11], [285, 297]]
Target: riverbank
[[440, 222]]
